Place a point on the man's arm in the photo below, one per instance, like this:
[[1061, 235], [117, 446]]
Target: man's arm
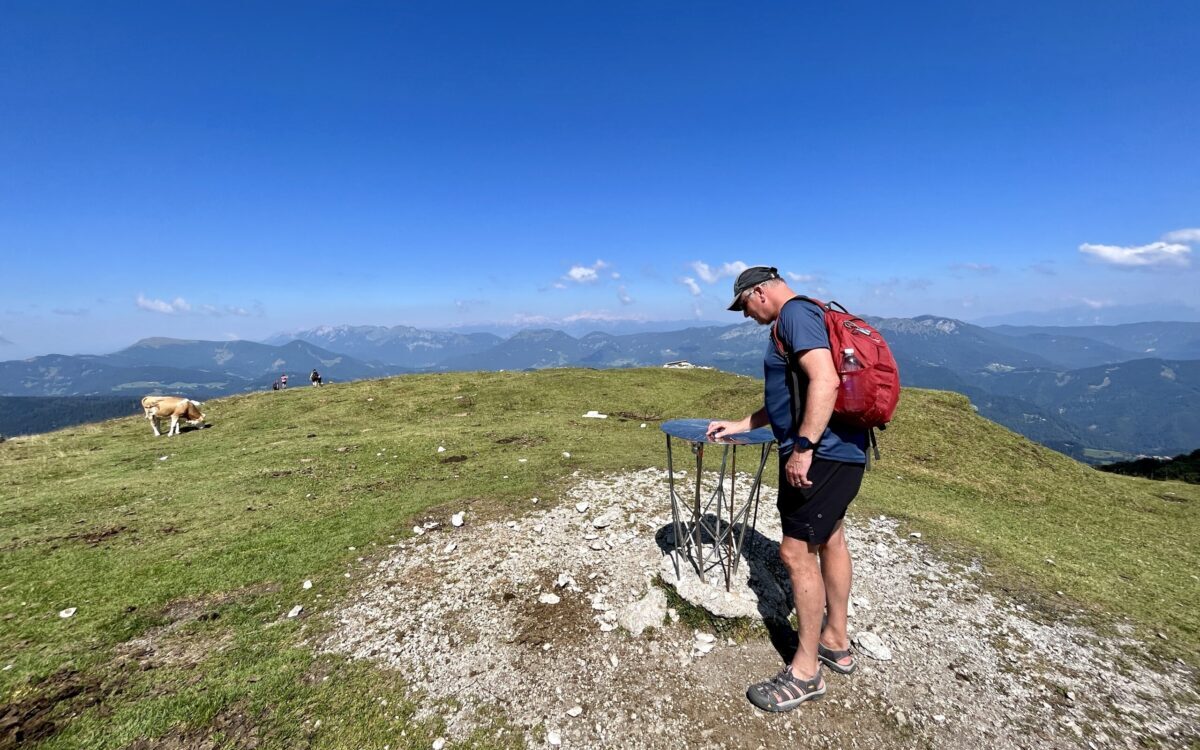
[[823, 381]]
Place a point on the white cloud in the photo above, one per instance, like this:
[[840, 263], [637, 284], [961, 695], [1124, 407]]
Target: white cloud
[[983, 269], [586, 274], [177, 306], [1154, 255], [602, 316], [802, 278], [710, 276], [691, 284], [180, 306], [1097, 304], [1185, 236], [623, 295]]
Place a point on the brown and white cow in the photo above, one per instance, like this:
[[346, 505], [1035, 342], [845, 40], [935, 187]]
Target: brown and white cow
[[157, 407]]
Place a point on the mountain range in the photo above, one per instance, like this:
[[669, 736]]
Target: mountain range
[[1089, 391]]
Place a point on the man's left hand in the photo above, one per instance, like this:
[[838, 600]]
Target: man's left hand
[[796, 469]]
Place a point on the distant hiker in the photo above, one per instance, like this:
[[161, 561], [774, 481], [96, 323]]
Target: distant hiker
[[315, 378], [276, 385], [820, 469], [283, 381]]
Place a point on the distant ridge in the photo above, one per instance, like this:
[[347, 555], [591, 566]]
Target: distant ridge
[[1051, 384]]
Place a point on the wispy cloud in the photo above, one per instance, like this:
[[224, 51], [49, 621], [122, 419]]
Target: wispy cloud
[[74, 313], [601, 316], [623, 295], [1184, 236], [802, 278], [980, 269], [586, 274], [1152, 256], [1045, 268], [691, 284], [888, 288], [1097, 304], [710, 275], [5, 342], [178, 306]]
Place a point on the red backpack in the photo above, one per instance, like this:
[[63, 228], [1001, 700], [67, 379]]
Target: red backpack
[[877, 383]]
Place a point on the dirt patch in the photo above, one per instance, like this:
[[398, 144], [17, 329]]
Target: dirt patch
[[452, 459], [467, 617], [567, 621], [36, 717], [94, 537], [638, 417], [233, 726], [527, 441]]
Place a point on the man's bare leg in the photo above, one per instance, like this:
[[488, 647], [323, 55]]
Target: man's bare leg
[[836, 574], [800, 559]]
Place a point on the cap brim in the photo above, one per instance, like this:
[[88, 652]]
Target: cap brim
[[736, 305]]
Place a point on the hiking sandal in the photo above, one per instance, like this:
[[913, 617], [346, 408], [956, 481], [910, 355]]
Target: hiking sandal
[[830, 658], [785, 691]]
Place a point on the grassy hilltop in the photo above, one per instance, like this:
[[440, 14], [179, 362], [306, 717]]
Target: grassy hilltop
[[207, 548]]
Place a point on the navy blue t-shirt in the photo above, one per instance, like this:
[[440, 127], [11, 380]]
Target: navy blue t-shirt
[[802, 327]]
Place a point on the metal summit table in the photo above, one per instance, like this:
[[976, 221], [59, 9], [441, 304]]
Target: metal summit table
[[696, 525]]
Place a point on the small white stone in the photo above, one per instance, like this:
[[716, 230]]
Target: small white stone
[[606, 627], [296, 610], [574, 711], [549, 598], [546, 646], [566, 454], [68, 612], [439, 743], [163, 458], [441, 449], [450, 548], [597, 545], [522, 460], [602, 522], [553, 738], [534, 501], [418, 530], [539, 528], [915, 535], [612, 659], [457, 519], [306, 585], [705, 637], [643, 425], [582, 506]]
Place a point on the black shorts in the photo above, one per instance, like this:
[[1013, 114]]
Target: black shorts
[[810, 513]]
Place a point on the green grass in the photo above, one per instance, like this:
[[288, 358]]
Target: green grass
[[218, 537]]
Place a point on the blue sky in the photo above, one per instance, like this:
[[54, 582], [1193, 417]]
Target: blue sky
[[224, 170]]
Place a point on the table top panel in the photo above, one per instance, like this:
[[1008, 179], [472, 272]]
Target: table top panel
[[693, 431]]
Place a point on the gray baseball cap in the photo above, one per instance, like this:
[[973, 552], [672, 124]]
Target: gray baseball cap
[[749, 279]]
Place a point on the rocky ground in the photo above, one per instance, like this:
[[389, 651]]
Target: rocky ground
[[533, 620]]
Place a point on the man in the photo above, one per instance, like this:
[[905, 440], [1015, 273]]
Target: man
[[820, 469], [315, 377]]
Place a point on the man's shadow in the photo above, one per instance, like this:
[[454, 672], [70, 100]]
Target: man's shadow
[[768, 578]]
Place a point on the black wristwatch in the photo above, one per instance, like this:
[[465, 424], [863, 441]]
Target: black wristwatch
[[804, 444]]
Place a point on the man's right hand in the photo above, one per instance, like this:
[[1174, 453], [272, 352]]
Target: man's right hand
[[720, 427]]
